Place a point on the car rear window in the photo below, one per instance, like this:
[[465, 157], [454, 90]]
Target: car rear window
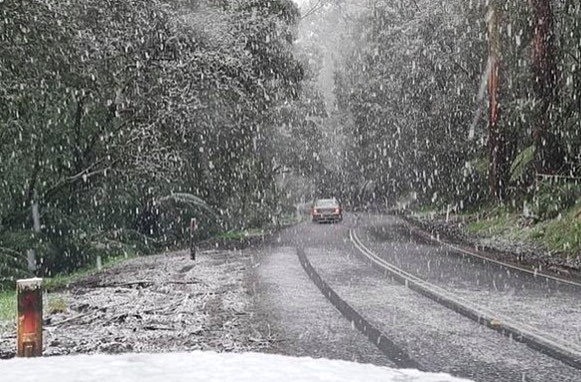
[[326, 203]]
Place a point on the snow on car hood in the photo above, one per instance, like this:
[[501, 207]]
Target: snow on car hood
[[203, 366]]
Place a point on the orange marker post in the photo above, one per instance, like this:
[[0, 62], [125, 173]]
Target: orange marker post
[[29, 294]]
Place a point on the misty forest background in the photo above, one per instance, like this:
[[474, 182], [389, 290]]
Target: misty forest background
[[124, 119]]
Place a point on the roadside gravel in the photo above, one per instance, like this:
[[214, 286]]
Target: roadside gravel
[[153, 304], [257, 299]]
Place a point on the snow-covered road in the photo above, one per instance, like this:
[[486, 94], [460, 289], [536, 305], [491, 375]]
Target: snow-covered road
[[542, 303], [434, 336], [261, 299]]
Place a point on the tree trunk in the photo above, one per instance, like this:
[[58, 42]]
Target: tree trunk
[[497, 142], [544, 67]]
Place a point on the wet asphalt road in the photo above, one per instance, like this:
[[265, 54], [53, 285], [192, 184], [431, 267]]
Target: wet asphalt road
[[542, 303], [434, 336], [302, 322]]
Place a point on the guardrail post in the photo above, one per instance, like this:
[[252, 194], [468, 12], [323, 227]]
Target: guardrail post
[[193, 229], [99, 263], [29, 339]]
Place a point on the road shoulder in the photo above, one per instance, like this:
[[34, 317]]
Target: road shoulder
[[157, 303]]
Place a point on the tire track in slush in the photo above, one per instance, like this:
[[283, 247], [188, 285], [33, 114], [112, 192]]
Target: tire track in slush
[[399, 356]]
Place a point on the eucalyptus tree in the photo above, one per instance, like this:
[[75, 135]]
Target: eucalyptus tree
[[545, 80]]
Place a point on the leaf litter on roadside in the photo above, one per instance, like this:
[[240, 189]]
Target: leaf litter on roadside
[[154, 304]]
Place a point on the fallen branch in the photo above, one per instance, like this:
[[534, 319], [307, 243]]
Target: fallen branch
[[60, 323], [86, 314], [185, 282], [142, 283], [151, 327]]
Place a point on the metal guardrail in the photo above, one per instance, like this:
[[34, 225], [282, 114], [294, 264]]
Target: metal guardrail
[[557, 348], [422, 233]]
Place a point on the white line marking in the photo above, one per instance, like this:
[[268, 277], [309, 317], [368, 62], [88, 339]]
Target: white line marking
[[508, 265], [487, 315]]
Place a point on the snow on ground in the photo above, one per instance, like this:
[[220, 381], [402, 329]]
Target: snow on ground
[[154, 304], [203, 366]]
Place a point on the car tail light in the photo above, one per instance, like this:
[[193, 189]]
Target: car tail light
[[337, 210], [315, 211]]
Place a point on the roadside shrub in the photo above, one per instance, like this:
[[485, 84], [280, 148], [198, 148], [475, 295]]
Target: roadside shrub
[[13, 264], [554, 196]]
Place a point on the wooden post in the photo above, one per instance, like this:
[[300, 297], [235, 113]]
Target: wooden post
[[99, 263], [29, 339], [193, 229]]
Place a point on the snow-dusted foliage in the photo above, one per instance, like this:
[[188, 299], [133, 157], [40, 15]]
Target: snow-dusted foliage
[[416, 90], [107, 107]]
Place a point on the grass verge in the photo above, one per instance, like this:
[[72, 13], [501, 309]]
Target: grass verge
[[240, 235], [284, 221], [558, 235], [561, 234], [57, 282], [7, 305], [499, 222], [51, 284]]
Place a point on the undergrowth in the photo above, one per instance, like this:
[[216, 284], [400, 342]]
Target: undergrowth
[[560, 234], [7, 305], [52, 284]]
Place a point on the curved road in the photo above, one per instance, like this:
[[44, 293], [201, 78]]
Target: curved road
[[435, 337]]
